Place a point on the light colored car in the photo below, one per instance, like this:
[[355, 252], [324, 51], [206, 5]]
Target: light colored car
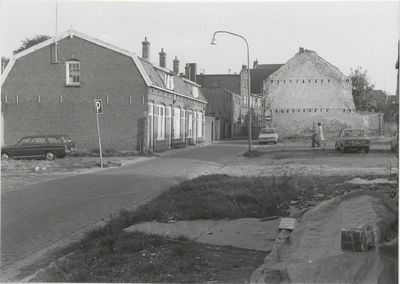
[[48, 147], [352, 139], [394, 142], [268, 135]]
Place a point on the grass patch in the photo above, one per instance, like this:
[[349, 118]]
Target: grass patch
[[109, 254]]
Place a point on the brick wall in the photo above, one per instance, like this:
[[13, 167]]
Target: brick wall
[[289, 124], [36, 100]]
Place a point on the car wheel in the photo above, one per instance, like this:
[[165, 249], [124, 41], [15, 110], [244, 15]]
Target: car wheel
[[343, 149], [391, 147], [50, 156], [366, 150], [5, 156], [276, 142]]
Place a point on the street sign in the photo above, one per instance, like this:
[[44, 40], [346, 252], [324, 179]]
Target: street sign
[[98, 106], [268, 118], [98, 109]]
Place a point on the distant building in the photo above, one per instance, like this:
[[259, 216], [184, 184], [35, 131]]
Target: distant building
[[51, 88], [380, 98], [259, 73], [309, 89]]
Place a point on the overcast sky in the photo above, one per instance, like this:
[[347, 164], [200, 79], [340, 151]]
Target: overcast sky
[[347, 34]]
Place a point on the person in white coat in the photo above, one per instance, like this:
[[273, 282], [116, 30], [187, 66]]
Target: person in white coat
[[321, 134]]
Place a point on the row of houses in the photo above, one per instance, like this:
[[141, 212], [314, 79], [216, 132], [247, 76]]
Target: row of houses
[[51, 88]]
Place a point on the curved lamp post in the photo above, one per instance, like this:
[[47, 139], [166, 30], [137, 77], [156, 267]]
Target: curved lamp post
[[214, 42]]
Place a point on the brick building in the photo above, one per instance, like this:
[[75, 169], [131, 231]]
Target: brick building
[[51, 88], [227, 96]]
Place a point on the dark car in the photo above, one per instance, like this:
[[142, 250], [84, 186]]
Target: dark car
[[352, 139], [394, 142], [48, 147]]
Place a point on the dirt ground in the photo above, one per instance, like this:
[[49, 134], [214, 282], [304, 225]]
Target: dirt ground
[[229, 265]]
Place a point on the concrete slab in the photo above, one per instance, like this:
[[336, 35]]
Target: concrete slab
[[249, 233]]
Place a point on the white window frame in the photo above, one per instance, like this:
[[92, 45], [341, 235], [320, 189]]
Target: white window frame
[[169, 81], [199, 124], [73, 73], [161, 122], [190, 124], [177, 123]]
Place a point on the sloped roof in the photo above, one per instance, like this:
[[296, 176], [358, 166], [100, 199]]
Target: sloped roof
[[182, 86], [258, 75], [306, 57], [380, 96], [147, 70]]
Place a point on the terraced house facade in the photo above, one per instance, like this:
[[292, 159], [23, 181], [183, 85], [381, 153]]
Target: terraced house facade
[[51, 88]]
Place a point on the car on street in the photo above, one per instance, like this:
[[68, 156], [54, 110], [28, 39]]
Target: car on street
[[268, 135], [394, 142], [352, 139], [48, 147]]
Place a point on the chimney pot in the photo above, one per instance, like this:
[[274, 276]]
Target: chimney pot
[[146, 49], [187, 71], [163, 58], [255, 64], [176, 65]]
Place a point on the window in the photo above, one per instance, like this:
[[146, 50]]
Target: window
[[161, 122], [199, 124], [177, 123], [190, 124], [216, 82], [73, 72], [169, 81]]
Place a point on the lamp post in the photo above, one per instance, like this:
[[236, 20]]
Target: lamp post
[[214, 42]]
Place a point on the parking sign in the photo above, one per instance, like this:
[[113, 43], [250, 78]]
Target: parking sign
[[98, 106]]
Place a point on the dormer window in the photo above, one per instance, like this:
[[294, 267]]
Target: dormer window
[[169, 81], [73, 72]]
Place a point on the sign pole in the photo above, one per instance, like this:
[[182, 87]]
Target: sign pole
[[98, 108], [98, 133]]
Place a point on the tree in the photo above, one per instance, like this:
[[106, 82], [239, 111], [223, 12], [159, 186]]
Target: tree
[[4, 62], [362, 90], [29, 42]]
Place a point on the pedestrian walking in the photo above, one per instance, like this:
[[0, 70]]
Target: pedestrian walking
[[321, 134], [315, 140]]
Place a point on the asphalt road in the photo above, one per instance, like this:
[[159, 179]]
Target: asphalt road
[[51, 214]]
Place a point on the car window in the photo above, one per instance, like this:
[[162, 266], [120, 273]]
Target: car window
[[38, 140], [54, 140], [268, 131], [354, 133], [24, 141]]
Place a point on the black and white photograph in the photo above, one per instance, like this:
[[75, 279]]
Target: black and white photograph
[[199, 141]]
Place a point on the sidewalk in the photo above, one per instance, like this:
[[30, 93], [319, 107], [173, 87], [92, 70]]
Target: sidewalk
[[248, 233]]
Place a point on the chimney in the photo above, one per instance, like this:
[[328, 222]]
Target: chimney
[[255, 64], [193, 71], [301, 49], [244, 67], [146, 49], [163, 58], [187, 71], [176, 66]]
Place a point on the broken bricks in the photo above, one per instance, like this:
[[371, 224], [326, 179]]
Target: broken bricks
[[357, 239]]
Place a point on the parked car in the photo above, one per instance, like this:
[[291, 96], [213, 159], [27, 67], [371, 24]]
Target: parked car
[[48, 147], [268, 135], [352, 139], [394, 142]]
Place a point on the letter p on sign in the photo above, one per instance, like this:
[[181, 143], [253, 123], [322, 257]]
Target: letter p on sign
[[98, 106]]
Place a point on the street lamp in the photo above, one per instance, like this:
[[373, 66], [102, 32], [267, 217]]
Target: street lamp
[[214, 42]]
